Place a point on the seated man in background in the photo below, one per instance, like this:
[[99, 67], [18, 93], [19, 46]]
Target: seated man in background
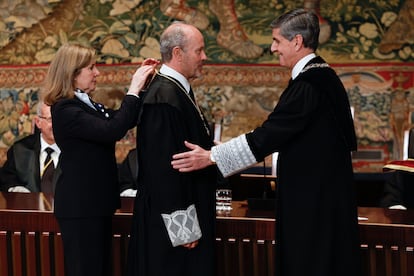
[[399, 185], [128, 174], [31, 161]]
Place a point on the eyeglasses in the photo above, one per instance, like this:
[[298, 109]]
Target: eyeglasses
[[48, 119]]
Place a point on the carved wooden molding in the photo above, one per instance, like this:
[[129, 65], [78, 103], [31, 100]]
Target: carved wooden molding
[[218, 74]]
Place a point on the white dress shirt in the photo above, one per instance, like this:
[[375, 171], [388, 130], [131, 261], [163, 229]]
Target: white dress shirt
[[166, 70], [54, 155], [301, 64]]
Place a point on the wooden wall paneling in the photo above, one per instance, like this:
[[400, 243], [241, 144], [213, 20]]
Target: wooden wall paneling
[[260, 258], [244, 257], [4, 253], [244, 242], [373, 261], [231, 253], [246, 262], [365, 265], [383, 255], [45, 253], [256, 258], [16, 253], [409, 260], [124, 252], [58, 254], [219, 245], [116, 255], [398, 260], [271, 256], [403, 261], [387, 259], [31, 253], [119, 253]]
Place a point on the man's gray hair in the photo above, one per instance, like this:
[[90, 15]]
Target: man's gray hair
[[299, 21], [172, 37]]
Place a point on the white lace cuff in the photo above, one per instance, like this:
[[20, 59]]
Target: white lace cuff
[[182, 226], [233, 156]]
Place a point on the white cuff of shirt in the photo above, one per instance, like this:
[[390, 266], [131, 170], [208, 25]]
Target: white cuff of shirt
[[397, 207], [129, 193], [18, 189], [132, 94]]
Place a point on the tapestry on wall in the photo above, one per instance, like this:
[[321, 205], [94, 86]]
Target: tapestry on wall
[[236, 31]]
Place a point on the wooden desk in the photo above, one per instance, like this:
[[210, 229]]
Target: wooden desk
[[244, 240], [369, 187]]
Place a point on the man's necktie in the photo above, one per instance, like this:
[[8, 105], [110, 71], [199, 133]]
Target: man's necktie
[[46, 185]]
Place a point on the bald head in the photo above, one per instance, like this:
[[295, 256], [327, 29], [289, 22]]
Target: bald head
[[176, 35], [182, 48]]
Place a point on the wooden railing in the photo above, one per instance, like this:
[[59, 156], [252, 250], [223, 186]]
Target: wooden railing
[[387, 242], [30, 242]]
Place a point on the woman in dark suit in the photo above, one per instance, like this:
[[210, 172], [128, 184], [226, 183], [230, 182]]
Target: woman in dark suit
[[87, 193]]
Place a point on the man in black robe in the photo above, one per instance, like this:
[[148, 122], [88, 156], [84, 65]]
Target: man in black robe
[[174, 213], [312, 129]]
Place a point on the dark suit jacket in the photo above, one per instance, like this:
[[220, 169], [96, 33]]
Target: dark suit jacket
[[128, 171], [398, 189], [399, 184], [89, 185], [22, 166]]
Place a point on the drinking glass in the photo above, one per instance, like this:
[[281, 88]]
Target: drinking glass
[[223, 200]]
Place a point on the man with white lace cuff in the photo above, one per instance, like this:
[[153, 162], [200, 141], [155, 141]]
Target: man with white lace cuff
[[311, 128]]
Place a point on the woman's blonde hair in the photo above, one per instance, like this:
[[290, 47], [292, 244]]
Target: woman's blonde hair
[[64, 68]]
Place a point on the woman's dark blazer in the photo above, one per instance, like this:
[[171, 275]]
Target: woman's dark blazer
[[88, 185]]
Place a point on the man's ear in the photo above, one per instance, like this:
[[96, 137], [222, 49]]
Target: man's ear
[[299, 42], [36, 120], [177, 53]]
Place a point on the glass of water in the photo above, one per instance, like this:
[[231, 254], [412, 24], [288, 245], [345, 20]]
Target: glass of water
[[223, 200]]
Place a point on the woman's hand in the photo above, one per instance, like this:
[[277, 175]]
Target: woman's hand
[[141, 75]]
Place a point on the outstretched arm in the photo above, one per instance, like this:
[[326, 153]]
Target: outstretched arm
[[195, 159], [232, 157], [142, 75]]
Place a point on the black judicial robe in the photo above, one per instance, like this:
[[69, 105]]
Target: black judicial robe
[[168, 118], [22, 166], [316, 215]]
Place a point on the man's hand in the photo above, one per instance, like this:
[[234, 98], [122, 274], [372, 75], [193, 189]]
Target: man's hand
[[191, 245], [195, 159]]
